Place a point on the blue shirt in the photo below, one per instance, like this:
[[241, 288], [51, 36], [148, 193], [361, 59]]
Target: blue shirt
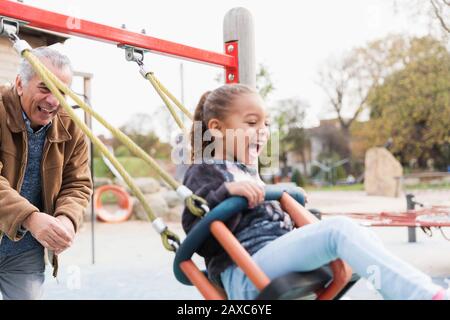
[[31, 188]]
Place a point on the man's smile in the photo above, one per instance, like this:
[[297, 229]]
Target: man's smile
[[46, 111]]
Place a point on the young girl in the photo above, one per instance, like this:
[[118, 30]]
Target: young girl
[[225, 166]]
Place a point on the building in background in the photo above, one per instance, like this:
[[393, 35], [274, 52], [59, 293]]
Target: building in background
[[327, 138]]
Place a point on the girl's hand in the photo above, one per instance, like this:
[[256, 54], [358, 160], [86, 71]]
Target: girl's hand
[[304, 194], [247, 189]]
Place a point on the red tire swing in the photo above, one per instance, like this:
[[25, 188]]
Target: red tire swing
[[123, 201]]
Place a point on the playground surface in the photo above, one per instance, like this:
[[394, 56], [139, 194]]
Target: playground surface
[[132, 264]]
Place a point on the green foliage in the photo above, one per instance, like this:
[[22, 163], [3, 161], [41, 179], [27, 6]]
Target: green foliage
[[288, 116], [264, 83], [134, 166], [328, 159], [297, 178], [122, 151], [96, 152], [412, 105], [101, 170], [138, 128]]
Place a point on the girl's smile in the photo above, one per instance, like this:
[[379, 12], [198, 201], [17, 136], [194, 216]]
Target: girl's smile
[[243, 132]]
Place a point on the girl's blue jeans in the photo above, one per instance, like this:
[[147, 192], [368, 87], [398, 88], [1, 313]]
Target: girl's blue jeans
[[312, 246]]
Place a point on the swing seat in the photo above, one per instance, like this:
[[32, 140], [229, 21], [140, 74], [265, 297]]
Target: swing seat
[[302, 285], [327, 282]]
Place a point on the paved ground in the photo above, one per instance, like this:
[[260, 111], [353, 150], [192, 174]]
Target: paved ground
[[132, 264]]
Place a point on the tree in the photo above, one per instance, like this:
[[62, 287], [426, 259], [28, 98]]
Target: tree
[[335, 171], [296, 140], [297, 178], [412, 106], [287, 118], [138, 123], [348, 82], [441, 10], [264, 83], [139, 129], [331, 138], [438, 12]]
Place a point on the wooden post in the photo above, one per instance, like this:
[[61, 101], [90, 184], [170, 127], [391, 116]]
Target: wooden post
[[238, 26]]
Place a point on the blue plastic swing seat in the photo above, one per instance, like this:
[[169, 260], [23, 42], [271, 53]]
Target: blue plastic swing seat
[[294, 285]]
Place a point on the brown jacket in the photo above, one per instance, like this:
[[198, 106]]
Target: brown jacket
[[65, 174]]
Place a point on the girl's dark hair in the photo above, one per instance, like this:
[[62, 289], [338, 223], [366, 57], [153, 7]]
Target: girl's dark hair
[[213, 104]]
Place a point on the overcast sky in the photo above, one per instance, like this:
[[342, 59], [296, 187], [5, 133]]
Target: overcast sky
[[293, 38]]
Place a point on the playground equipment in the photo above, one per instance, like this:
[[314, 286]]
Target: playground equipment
[[328, 168], [325, 283], [123, 202], [426, 218], [238, 62]]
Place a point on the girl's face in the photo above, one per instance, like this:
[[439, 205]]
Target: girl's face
[[244, 132]]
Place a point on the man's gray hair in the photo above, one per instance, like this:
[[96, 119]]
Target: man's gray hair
[[57, 59]]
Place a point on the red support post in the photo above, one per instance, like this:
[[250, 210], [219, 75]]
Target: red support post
[[232, 73]]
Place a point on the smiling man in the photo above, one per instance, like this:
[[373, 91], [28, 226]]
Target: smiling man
[[45, 180]]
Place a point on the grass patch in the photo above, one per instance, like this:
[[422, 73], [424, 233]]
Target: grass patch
[[429, 186], [134, 166], [109, 198]]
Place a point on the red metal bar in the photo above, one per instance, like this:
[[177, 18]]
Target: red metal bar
[[436, 216], [56, 22], [342, 272], [199, 280], [232, 73], [239, 255]]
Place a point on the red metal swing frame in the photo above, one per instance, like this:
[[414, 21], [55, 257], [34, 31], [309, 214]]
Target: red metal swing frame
[[51, 21]]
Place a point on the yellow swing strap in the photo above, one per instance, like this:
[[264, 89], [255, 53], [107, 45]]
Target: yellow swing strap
[[169, 106], [46, 76], [164, 90], [165, 95], [194, 203], [137, 55]]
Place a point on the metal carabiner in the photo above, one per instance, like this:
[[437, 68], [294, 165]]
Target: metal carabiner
[[133, 54], [9, 28]]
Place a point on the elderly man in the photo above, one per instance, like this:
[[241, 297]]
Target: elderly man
[[45, 180]]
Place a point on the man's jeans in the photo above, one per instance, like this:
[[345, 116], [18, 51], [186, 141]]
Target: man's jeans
[[315, 245], [22, 276]]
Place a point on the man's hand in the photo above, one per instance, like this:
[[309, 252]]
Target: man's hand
[[68, 224], [53, 233]]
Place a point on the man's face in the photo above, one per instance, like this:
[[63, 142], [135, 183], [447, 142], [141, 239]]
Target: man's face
[[40, 105]]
